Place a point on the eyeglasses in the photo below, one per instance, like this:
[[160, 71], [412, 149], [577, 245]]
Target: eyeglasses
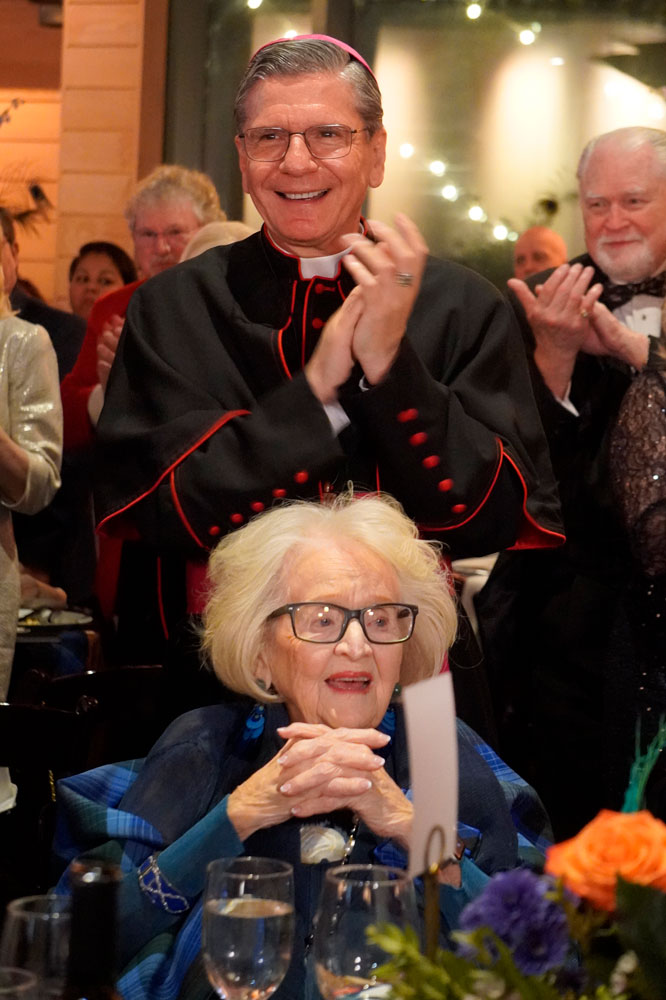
[[170, 236], [326, 142], [381, 623]]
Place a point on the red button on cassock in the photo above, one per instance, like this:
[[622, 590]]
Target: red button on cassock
[[278, 494], [419, 438], [317, 323], [459, 508], [302, 476], [236, 518], [406, 415], [257, 506], [431, 462], [214, 530], [445, 485]]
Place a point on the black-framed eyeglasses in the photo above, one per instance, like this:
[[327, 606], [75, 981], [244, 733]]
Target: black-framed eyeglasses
[[325, 142], [317, 621]]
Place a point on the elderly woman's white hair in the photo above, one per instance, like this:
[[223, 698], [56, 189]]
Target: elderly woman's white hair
[[249, 574]]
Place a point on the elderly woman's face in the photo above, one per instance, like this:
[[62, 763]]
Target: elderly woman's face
[[308, 203], [344, 683]]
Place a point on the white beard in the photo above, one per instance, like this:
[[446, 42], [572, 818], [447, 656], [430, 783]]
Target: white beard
[[641, 264]]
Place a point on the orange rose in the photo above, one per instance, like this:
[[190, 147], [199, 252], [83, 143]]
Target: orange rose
[[632, 845]]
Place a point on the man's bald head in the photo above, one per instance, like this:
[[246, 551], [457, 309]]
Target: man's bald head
[[537, 249]]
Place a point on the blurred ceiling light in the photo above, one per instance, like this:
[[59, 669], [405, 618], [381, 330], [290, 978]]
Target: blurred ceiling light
[[557, 61], [526, 36], [473, 11], [513, 236], [656, 109], [477, 214], [536, 27], [613, 88], [406, 150], [291, 33], [254, 4], [438, 168], [500, 232], [450, 192]]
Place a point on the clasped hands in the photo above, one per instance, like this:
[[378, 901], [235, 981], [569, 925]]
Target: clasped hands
[[566, 317], [318, 771], [371, 323]]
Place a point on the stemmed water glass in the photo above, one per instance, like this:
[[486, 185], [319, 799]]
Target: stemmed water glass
[[353, 898], [35, 937], [248, 926], [17, 984]]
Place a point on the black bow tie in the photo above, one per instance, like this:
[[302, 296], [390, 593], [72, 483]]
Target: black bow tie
[[616, 295]]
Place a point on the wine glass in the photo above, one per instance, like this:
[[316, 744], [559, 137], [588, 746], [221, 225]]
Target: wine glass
[[17, 984], [353, 897], [35, 937], [248, 926]]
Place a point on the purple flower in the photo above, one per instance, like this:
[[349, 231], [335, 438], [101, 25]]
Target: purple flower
[[513, 905]]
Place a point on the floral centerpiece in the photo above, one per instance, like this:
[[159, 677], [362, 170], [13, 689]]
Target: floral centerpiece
[[592, 927]]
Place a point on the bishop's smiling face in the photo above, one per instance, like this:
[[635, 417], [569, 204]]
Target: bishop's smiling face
[[344, 683], [307, 203]]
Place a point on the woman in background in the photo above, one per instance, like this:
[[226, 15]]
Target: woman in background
[[30, 451], [99, 267]]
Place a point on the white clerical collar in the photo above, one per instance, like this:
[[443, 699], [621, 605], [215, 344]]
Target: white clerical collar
[[319, 267], [322, 267]]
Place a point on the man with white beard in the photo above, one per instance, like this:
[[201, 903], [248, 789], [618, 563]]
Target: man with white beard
[[549, 621]]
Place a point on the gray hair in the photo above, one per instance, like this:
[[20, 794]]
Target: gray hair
[[300, 56], [171, 182], [249, 574], [630, 138]]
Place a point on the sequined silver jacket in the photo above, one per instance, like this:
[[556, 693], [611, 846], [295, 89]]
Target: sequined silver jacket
[[31, 414]]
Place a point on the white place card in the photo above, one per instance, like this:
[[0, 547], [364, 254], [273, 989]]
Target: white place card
[[430, 716]]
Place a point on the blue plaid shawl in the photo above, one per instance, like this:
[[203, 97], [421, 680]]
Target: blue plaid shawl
[[91, 820]]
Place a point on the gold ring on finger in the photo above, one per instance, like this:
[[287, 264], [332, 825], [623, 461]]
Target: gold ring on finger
[[585, 314], [404, 278]]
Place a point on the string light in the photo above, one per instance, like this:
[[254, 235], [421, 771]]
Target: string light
[[526, 36], [438, 168], [254, 4], [476, 214], [291, 33], [500, 232], [557, 61], [406, 150], [450, 192], [474, 10]]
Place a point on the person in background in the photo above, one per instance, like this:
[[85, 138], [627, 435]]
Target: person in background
[[30, 447], [167, 208], [66, 331], [537, 249], [638, 655], [547, 618], [317, 615], [322, 350], [98, 268]]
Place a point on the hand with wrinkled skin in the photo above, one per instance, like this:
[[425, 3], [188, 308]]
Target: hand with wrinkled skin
[[107, 345], [554, 311], [319, 764], [337, 779], [387, 305], [331, 363]]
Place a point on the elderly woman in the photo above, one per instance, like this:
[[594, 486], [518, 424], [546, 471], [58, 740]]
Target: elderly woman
[[318, 614], [323, 349]]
